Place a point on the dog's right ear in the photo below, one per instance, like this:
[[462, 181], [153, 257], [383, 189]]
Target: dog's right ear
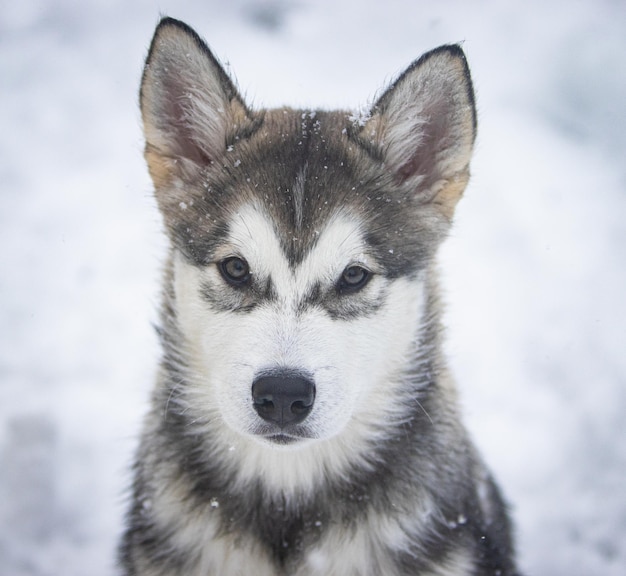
[[423, 127], [191, 109]]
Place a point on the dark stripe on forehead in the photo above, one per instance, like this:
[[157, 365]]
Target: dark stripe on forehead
[[298, 196]]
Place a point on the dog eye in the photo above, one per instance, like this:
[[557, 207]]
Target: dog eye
[[235, 270], [353, 278]]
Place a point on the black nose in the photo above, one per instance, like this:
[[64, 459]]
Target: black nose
[[283, 398]]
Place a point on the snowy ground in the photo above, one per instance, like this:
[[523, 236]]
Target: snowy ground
[[535, 272]]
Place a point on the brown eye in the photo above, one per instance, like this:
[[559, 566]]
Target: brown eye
[[353, 279], [235, 270]]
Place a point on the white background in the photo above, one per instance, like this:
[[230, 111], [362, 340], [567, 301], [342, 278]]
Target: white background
[[534, 272]]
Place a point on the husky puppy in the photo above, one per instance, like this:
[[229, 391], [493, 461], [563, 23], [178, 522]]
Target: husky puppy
[[304, 421]]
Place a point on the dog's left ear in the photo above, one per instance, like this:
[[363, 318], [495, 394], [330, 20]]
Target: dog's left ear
[[423, 127], [191, 109]]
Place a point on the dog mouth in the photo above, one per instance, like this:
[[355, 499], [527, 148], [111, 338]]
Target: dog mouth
[[283, 437]]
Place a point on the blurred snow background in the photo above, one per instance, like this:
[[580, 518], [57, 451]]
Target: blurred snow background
[[535, 275]]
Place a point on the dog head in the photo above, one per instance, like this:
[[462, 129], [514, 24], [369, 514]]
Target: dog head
[[301, 240]]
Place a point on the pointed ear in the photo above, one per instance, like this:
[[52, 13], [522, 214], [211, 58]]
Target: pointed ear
[[424, 126], [191, 109]]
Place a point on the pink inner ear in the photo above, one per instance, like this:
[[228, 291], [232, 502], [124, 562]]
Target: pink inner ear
[[435, 138], [175, 120], [428, 120]]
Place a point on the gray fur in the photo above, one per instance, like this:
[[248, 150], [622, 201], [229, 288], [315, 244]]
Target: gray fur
[[400, 172]]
